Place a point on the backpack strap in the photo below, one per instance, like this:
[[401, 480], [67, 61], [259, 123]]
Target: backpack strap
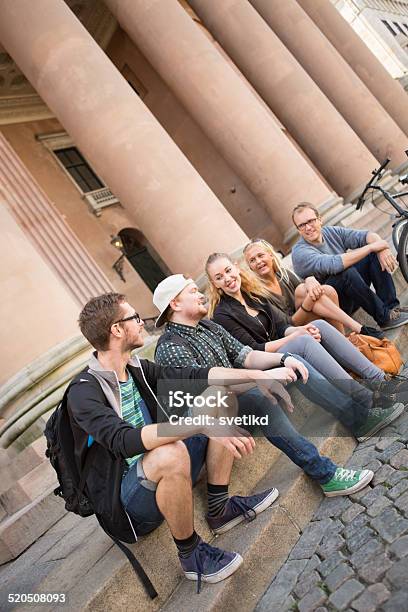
[[138, 569]]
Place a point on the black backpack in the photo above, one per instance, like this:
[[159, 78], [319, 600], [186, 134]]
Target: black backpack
[[60, 452]]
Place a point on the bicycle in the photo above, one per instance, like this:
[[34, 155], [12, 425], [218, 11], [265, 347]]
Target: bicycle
[[400, 225]]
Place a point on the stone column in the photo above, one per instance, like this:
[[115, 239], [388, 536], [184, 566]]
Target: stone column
[[335, 78], [227, 111], [387, 90], [36, 308], [172, 205], [289, 91], [46, 228]]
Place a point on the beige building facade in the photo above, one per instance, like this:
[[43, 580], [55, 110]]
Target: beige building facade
[[383, 26], [138, 137]]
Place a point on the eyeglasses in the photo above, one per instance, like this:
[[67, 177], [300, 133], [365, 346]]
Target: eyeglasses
[[311, 222], [134, 316]]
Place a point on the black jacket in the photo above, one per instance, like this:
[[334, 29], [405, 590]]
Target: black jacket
[[92, 413], [233, 316]]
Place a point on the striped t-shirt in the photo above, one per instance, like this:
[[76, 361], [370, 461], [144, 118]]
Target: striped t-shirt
[[133, 408]]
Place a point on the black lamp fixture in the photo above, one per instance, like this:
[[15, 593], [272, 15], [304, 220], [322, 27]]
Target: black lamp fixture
[[116, 241]]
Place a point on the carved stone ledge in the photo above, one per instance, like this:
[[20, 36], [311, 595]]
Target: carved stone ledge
[[17, 109]]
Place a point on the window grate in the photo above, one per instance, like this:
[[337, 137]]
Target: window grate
[[79, 170]]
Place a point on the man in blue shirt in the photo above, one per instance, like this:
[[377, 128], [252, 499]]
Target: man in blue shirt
[[350, 261]]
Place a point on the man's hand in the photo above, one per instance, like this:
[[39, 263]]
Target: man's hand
[[313, 288], [284, 375], [237, 445], [378, 245], [274, 390], [297, 366], [387, 261]]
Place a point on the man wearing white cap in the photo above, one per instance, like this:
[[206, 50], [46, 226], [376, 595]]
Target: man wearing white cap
[[190, 340]]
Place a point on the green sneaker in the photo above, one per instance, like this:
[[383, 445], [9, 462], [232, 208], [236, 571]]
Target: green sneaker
[[346, 481], [377, 419]]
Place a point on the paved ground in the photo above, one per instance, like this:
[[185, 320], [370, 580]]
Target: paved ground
[[353, 555]]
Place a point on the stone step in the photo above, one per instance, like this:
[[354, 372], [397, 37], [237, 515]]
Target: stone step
[[32, 456], [370, 218], [29, 487], [265, 543], [24, 527]]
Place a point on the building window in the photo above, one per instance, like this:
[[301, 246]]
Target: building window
[[397, 25], [389, 28], [79, 170]]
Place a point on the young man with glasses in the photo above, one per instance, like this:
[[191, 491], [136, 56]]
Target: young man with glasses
[[350, 261]]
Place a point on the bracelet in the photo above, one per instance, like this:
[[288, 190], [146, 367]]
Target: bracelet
[[304, 309]]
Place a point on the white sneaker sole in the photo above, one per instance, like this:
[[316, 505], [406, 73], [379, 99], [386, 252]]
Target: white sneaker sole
[[357, 487], [263, 505], [394, 326], [391, 417], [218, 576]]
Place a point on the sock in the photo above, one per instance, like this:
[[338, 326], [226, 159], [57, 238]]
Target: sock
[[217, 498], [186, 547]]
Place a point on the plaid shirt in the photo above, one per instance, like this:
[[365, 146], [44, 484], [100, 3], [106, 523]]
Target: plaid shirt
[[207, 348]]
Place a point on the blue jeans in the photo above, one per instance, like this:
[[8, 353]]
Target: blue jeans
[[281, 433], [353, 288], [346, 400], [138, 493], [332, 355]]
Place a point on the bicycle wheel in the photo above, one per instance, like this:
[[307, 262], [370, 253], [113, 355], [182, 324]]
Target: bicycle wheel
[[396, 232], [403, 251]]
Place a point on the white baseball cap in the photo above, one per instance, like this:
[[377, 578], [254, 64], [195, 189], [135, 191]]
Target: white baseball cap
[[167, 290]]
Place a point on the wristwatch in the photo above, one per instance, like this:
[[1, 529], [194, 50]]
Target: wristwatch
[[284, 356]]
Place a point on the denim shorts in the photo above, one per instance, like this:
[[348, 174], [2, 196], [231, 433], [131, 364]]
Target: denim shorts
[[138, 494]]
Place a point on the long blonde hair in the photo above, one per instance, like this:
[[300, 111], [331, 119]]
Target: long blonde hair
[[277, 266], [250, 284]]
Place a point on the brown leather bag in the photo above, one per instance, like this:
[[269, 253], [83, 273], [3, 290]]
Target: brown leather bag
[[383, 353]]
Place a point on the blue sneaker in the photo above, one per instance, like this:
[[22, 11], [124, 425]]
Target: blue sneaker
[[238, 509], [209, 564]]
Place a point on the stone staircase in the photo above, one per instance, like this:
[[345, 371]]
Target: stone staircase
[[43, 549]]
